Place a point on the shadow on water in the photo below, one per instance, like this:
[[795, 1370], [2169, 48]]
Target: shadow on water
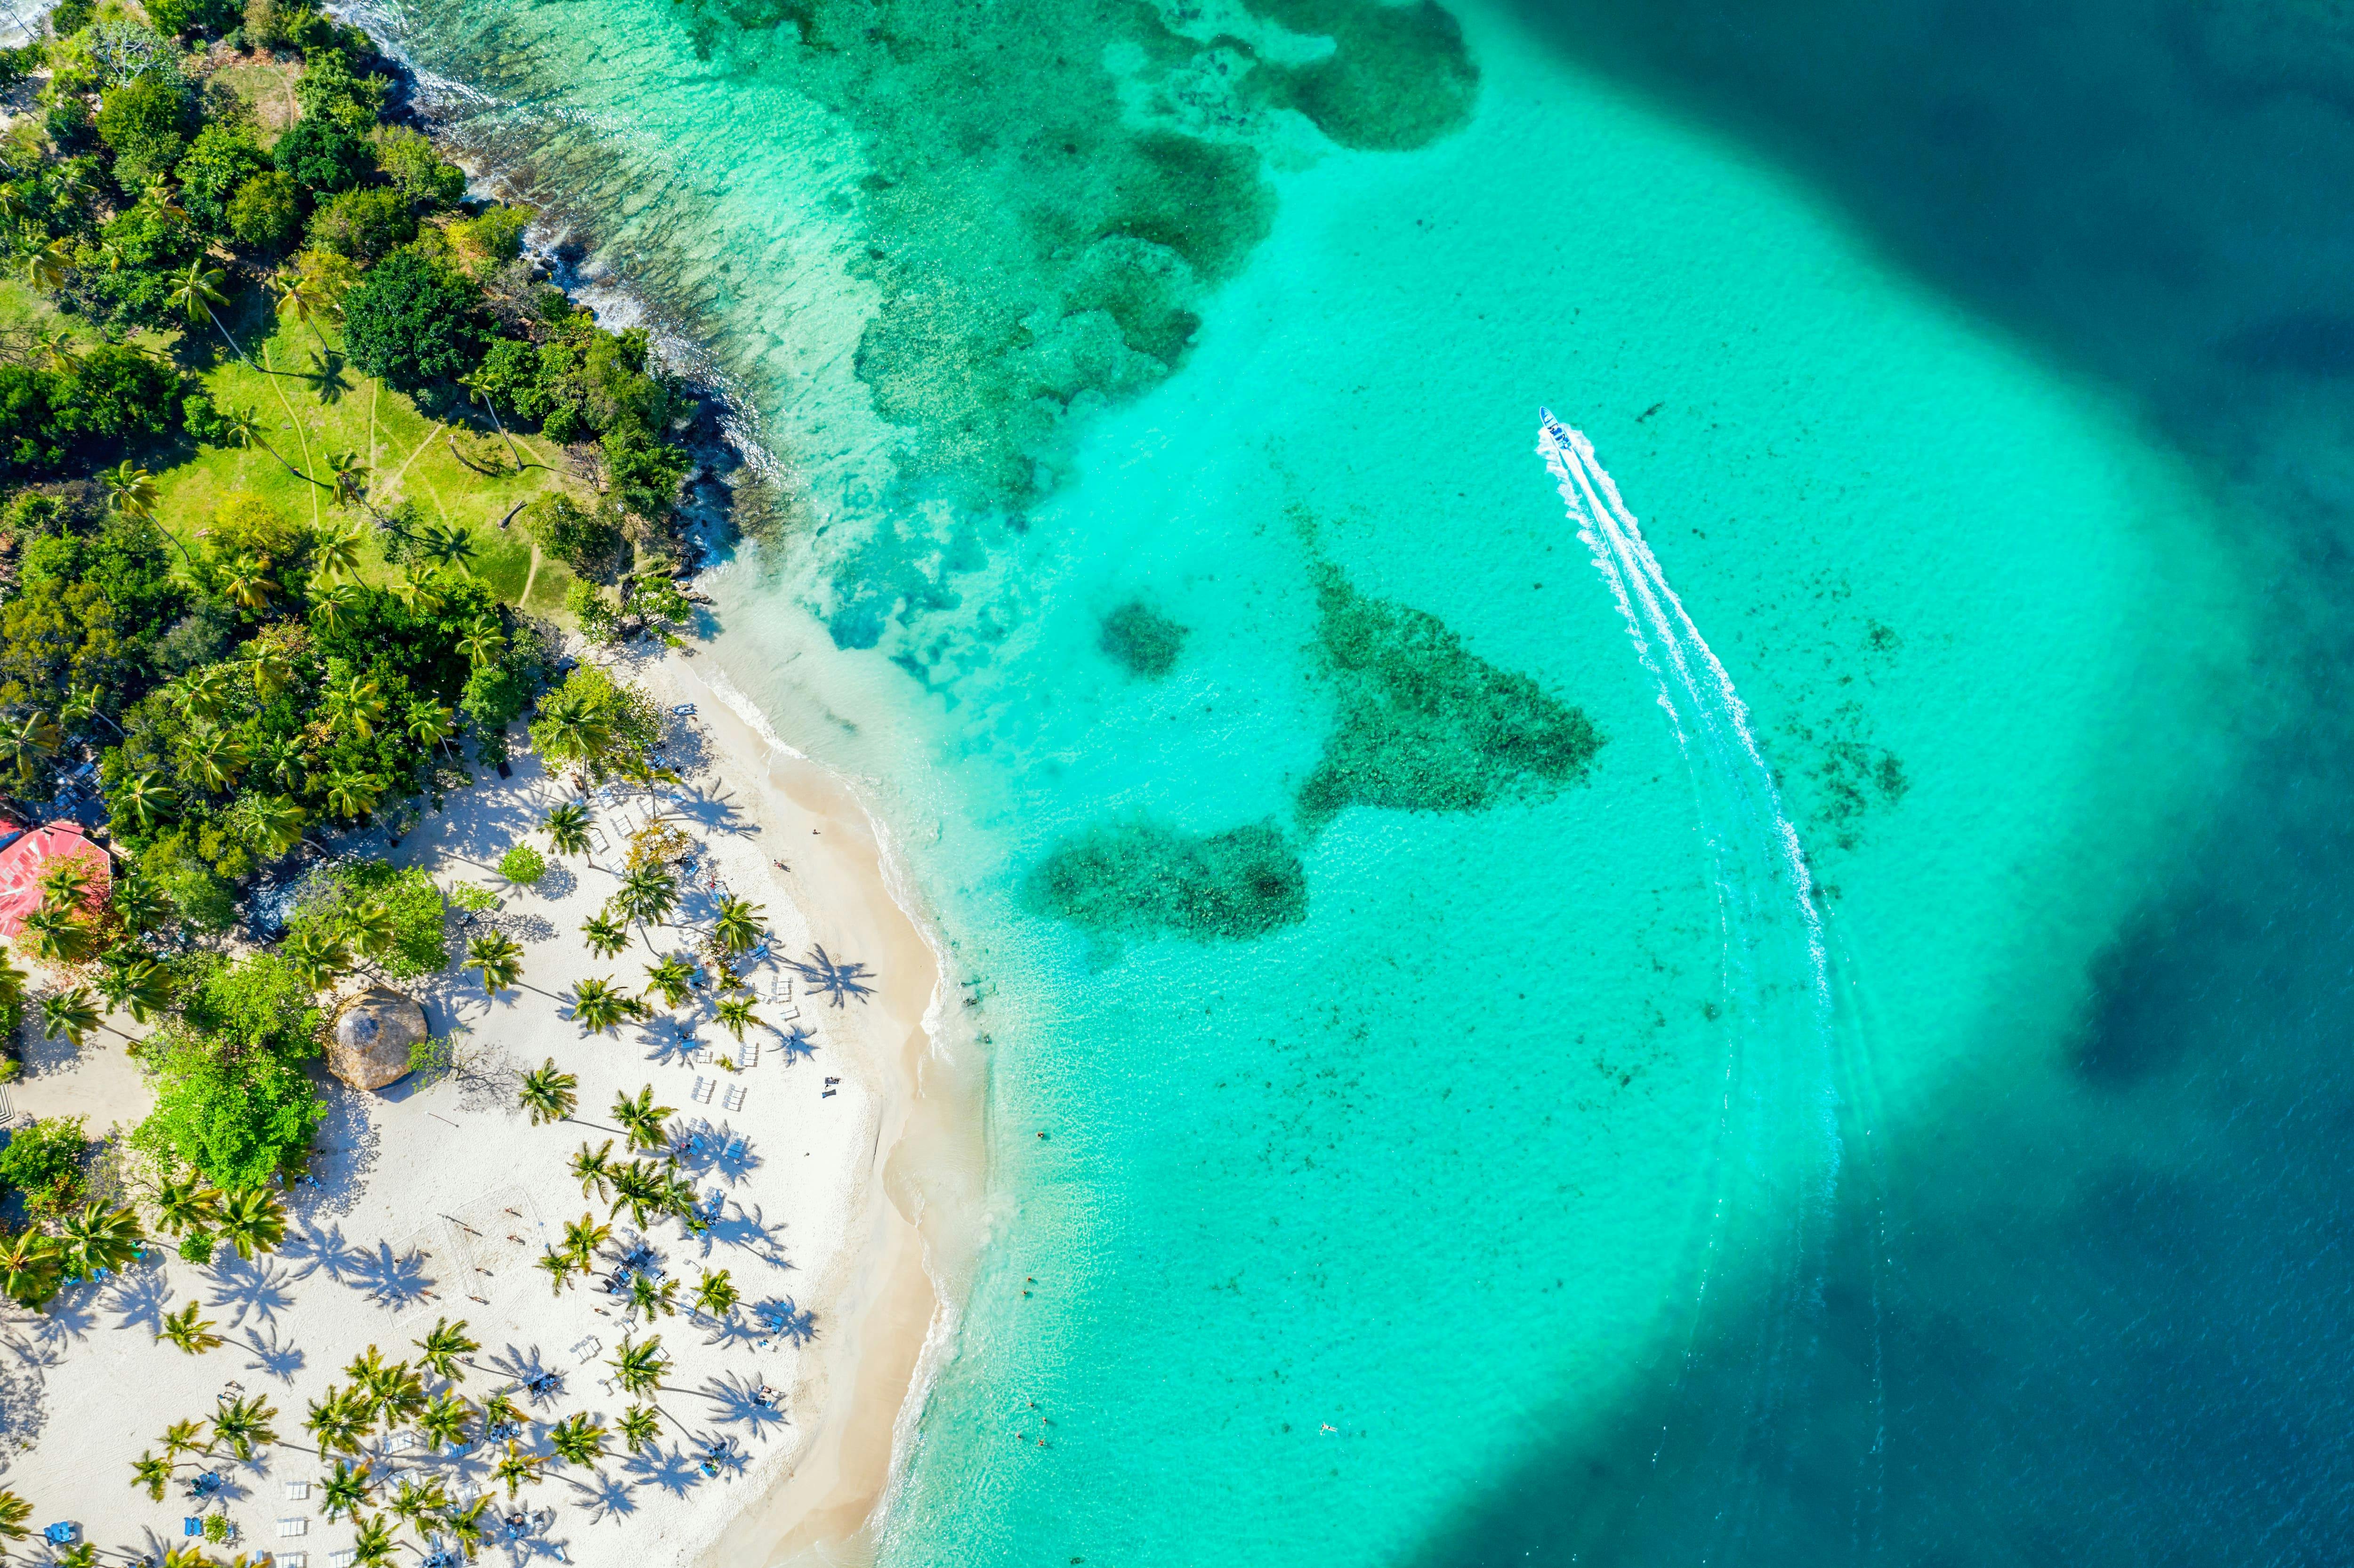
[[2113, 1325], [2154, 189], [2116, 1330]]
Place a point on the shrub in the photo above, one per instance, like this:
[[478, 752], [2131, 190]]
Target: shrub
[[593, 610], [265, 211], [421, 938], [144, 123], [44, 1162], [117, 394], [591, 543], [492, 238], [473, 897], [238, 1116], [132, 283], [223, 158], [197, 1247], [175, 17], [413, 320], [523, 865], [410, 162], [363, 224], [320, 156], [255, 1004]]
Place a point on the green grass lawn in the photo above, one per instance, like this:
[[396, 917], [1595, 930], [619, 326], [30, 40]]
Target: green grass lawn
[[309, 405]]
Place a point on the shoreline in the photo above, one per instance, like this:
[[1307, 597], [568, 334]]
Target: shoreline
[[895, 1297]]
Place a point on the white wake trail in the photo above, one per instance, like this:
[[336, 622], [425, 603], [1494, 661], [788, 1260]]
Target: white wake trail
[[1775, 1164]]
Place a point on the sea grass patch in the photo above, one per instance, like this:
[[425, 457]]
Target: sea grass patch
[[1423, 724], [1141, 640], [1147, 879]]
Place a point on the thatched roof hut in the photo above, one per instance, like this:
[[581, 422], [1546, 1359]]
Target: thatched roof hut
[[368, 1044]]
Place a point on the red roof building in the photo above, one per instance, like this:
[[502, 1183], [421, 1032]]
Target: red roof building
[[26, 857]]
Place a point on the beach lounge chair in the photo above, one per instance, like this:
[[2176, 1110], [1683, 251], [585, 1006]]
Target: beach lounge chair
[[343, 1559], [714, 1199], [780, 989], [734, 1098], [735, 1150], [191, 1526], [685, 710], [291, 1559], [703, 1087], [298, 1491], [59, 1534], [749, 1055], [296, 1526]]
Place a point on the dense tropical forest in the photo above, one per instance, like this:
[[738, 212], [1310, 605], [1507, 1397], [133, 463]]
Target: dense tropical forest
[[232, 629]]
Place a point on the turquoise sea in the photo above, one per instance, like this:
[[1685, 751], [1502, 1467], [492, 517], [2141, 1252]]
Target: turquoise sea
[[1420, 1129]]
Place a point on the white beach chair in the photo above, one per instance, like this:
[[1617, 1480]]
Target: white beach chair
[[343, 1559], [703, 1087], [749, 1054], [781, 989], [734, 1099], [287, 1527], [298, 1491], [788, 1011]]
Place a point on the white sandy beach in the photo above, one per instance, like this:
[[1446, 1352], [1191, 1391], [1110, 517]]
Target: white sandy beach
[[434, 1200]]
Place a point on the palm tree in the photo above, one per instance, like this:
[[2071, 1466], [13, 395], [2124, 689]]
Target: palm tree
[[428, 723], [243, 1423], [596, 1007], [187, 1332], [99, 1238], [548, 1095], [443, 1347], [735, 1015], [416, 590], [345, 1491], [12, 983], [673, 977], [654, 1300], [515, 1467], [595, 1168], [246, 584], [647, 896], [82, 705], [392, 1389], [638, 1366], [335, 552], [30, 1267], [306, 298], [481, 643], [198, 292], [578, 1441], [47, 268], [568, 827], [352, 794], [738, 927], [240, 429], [131, 490], [351, 479], [500, 1415], [446, 1419], [252, 1219], [465, 1525], [715, 1293], [573, 729], [329, 608], [373, 1546], [642, 1119], [151, 1473], [582, 1237], [25, 743], [145, 798], [557, 1267], [449, 546], [271, 669], [59, 937], [639, 1187], [185, 1205], [14, 1511], [319, 957], [500, 959], [183, 1437], [413, 1502], [273, 822], [354, 706], [137, 983], [337, 1420], [605, 936], [639, 1428]]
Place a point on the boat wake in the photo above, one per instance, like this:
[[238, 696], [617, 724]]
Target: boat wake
[[1750, 1366]]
